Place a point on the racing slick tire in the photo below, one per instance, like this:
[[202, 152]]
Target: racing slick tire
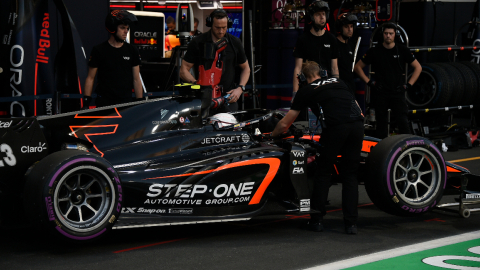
[[433, 88], [75, 194], [407, 175]]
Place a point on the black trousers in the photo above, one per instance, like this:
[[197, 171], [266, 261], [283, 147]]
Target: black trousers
[[382, 101], [345, 140]]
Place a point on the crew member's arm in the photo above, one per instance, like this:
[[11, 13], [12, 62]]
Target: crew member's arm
[[89, 81], [185, 74], [335, 72], [285, 123], [417, 69], [296, 71], [137, 82], [244, 75], [359, 70]]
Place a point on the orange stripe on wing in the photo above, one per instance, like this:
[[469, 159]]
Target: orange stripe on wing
[[450, 169]]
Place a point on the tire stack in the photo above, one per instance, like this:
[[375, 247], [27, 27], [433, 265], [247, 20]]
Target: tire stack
[[445, 85]]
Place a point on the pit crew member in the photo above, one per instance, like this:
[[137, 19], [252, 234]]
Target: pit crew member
[[342, 135], [117, 63], [388, 85], [232, 56], [316, 45], [345, 25]]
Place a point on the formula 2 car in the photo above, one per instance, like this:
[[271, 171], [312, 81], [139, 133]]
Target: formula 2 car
[[158, 162]]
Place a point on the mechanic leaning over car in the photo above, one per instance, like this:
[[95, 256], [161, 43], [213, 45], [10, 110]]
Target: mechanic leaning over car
[[232, 56], [117, 63], [345, 25], [342, 135], [317, 44], [388, 84]]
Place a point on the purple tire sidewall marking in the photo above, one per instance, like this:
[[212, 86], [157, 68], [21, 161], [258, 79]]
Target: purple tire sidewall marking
[[444, 166], [78, 237], [68, 164], [388, 170]]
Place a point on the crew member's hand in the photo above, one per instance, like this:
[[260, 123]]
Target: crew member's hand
[[235, 94], [372, 84]]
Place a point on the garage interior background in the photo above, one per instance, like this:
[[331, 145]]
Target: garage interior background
[[272, 47]]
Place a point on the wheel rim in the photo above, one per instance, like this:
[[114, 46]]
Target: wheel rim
[[416, 176], [83, 198], [423, 91]]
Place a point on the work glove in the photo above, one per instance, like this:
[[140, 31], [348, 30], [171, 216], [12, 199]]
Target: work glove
[[403, 87]]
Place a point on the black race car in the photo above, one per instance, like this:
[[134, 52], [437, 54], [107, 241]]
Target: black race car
[[158, 162]]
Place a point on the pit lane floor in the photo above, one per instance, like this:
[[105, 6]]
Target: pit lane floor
[[263, 243]]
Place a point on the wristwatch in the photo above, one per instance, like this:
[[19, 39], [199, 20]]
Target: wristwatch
[[242, 86]]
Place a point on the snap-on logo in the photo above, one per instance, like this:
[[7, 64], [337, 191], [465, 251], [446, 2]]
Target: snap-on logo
[[5, 124], [33, 149]]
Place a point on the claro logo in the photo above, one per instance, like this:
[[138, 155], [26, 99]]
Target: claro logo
[[146, 34], [33, 149]]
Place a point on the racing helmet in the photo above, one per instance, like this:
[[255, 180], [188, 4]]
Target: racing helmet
[[344, 19], [317, 6], [118, 17], [221, 120]]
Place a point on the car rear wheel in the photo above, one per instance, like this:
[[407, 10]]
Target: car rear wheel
[[406, 175], [75, 194]]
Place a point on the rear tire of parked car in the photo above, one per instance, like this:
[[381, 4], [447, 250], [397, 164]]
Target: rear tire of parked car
[[432, 89], [75, 194], [407, 175]]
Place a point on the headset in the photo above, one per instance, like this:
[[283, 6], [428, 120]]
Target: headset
[[344, 19], [317, 6], [209, 19], [302, 79], [117, 17]]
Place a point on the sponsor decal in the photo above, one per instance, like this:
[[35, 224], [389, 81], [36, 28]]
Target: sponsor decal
[[5, 124], [217, 151], [298, 170], [181, 119], [146, 34], [151, 211], [184, 194], [327, 45], [112, 219], [245, 138], [163, 112], [298, 153], [173, 122], [223, 139], [304, 205], [48, 106], [472, 196], [33, 149], [415, 142], [187, 121], [126, 57], [299, 162], [181, 211], [420, 210], [44, 42], [49, 204]]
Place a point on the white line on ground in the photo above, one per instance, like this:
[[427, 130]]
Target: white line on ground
[[387, 254]]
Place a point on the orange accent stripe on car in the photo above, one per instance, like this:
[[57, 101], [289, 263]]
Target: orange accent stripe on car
[[450, 169], [110, 116], [336, 168], [94, 134], [367, 145]]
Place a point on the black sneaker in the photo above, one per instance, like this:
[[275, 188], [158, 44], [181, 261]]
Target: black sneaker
[[351, 229], [315, 226]]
